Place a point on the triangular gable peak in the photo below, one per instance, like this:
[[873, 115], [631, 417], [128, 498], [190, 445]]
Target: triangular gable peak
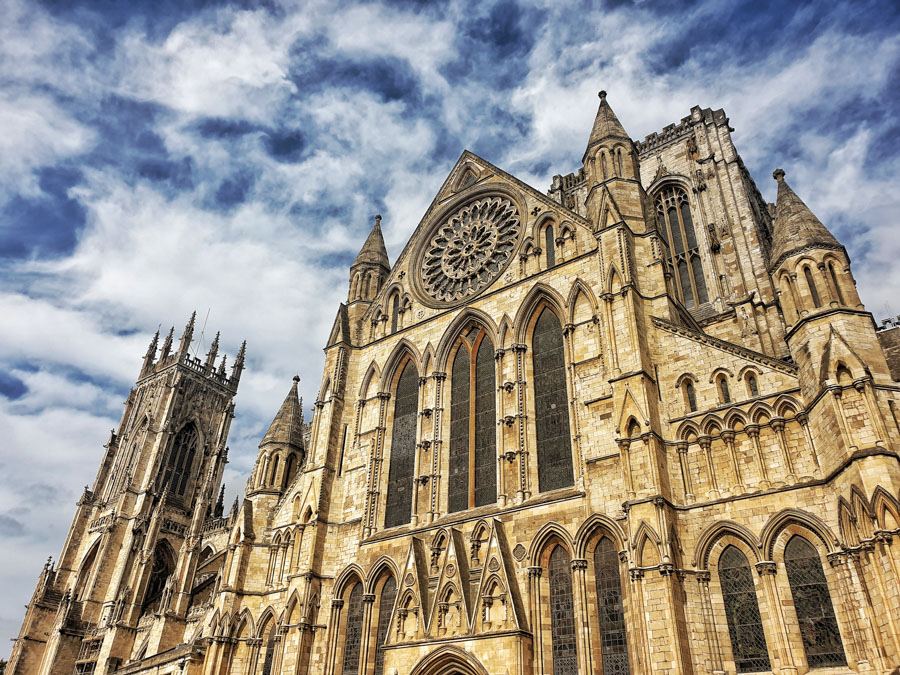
[[498, 603], [472, 174], [838, 352], [452, 599], [413, 598]]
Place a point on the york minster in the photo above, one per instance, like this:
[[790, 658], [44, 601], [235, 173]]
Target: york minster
[[639, 422]]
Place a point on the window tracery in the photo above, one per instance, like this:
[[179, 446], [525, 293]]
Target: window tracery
[[812, 602], [562, 614], [385, 608], [470, 249], [398, 509], [181, 459], [674, 211], [353, 639], [748, 640], [613, 644], [554, 451]]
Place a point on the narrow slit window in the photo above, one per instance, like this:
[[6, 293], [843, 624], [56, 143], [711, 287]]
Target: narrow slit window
[[550, 246], [813, 291]]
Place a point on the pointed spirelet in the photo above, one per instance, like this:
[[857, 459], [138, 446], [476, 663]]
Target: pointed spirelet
[[238, 366], [213, 352], [167, 344], [287, 427], [796, 227], [188, 335], [154, 343], [606, 126], [374, 251], [221, 371]]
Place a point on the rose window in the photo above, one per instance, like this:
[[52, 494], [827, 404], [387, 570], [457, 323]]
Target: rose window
[[470, 249]]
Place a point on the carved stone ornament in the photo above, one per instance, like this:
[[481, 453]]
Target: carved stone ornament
[[409, 579], [519, 552], [469, 249], [494, 565]]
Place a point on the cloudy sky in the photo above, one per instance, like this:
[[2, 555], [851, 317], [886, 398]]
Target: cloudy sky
[[157, 158]]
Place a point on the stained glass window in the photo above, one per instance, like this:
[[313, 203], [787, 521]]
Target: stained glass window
[[554, 451], [691, 395], [385, 607], [748, 641], [549, 246], [562, 614], [812, 602], [674, 211], [398, 510], [460, 403], [613, 645], [353, 638], [473, 445]]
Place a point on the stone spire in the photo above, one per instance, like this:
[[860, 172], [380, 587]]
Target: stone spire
[[287, 427], [188, 335], [373, 251], [795, 225], [606, 126]]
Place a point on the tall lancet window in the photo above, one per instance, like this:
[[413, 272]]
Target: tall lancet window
[[550, 245], [353, 639], [748, 640], [613, 647], [385, 608], [562, 614], [674, 212], [473, 444], [812, 601], [551, 405], [180, 460], [398, 510]]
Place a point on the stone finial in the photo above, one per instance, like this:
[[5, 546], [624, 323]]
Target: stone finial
[[378, 219], [296, 378], [602, 94], [778, 174]]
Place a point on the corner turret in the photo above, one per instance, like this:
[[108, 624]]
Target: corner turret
[[371, 267], [282, 450]]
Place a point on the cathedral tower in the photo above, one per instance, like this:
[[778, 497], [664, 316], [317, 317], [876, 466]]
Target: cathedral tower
[[125, 572]]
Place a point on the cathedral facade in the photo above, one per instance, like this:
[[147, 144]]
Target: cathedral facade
[[640, 423]]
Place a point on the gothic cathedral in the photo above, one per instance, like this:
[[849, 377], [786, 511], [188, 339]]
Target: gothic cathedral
[[641, 423]]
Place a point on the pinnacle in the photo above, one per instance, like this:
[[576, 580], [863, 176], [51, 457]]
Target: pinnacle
[[287, 427], [373, 251], [606, 124], [796, 227]]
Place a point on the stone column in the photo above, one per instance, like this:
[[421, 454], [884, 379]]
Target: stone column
[[854, 646], [334, 626], [625, 457], [753, 432], [685, 471], [582, 623], [766, 570], [728, 437], [534, 594], [803, 420], [706, 445], [709, 623], [365, 643], [778, 426]]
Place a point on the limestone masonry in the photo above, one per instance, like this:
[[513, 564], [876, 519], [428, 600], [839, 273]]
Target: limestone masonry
[[641, 423]]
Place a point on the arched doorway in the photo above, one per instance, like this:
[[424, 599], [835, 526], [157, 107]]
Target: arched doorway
[[449, 661]]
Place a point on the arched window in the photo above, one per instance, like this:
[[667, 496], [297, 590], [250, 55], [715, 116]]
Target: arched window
[[162, 569], [812, 602], [270, 642], [385, 608], [554, 452], [274, 473], [813, 291], [724, 394], [690, 396], [288, 468], [843, 375], [748, 641], [398, 510], [834, 282], [181, 459], [613, 645], [473, 445], [562, 614], [621, 170], [674, 213], [752, 387], [603, 164], [353, 634], [395, 312], [550, 246]]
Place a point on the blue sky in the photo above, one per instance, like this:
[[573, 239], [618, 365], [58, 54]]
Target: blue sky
[[157, 158]]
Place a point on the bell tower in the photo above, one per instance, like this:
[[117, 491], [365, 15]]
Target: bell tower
[[123, 579]]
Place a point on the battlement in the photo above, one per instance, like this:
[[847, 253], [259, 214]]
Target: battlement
[[675, 131]]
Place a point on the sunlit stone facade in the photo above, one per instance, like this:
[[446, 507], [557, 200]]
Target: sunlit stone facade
[[641, 423]]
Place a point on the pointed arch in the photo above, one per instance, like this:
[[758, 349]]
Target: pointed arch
[[863, 513], [687, 429], [506, 327], [268, 614], [395, 362], [448, 661], [373, 373], [580, 289], [85, 569], [428, 359], [544, 537], [786, 406], [644, 536], [292, 604], [613, 280], [384, 565], [404, 387], [847, 523], [350, 575], [791, 516], [712, 425], [541, 295], [886, 509], [716, 531], [462, 320], [759, 410], [598, 525], [734, 418]]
